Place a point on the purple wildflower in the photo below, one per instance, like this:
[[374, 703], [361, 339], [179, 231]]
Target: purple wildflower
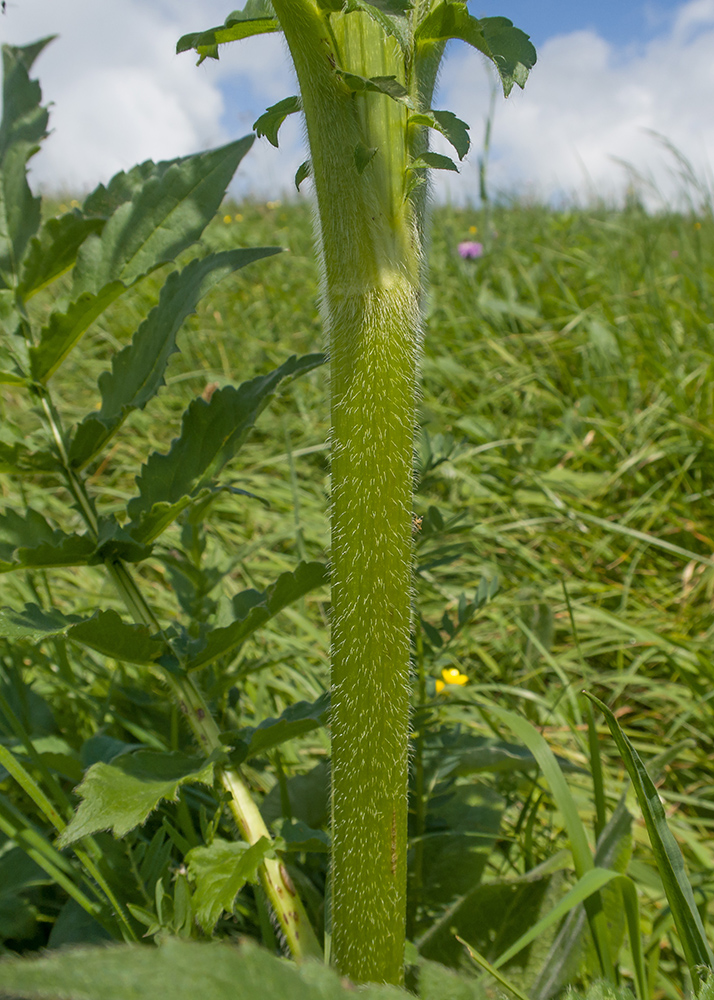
[[470, 250]]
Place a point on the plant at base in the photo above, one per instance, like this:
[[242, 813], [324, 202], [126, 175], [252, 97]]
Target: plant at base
[[143, 220], [367, 70]]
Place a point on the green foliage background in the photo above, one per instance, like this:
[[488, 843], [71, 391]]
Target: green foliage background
[[563, 449]]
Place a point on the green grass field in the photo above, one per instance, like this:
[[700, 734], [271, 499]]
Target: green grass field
[[565, 449]]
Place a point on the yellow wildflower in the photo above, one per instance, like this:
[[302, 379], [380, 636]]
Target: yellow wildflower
[[473, 230], [227, 219], [451, 675], [238, 217], [697, 225]]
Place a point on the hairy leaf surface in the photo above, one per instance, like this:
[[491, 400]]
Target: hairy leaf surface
[[121, 796], [182, 970], [220, 871]]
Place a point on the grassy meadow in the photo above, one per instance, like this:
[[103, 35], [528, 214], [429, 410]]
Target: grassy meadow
[[564, 461]]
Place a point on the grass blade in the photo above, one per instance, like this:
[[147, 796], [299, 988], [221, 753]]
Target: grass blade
[[668, 856], [582, 856]]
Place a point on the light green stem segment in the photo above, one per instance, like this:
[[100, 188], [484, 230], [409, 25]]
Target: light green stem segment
[[370, 248], [277, 884]]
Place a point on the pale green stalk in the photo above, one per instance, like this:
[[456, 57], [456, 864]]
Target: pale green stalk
[[370, 250]]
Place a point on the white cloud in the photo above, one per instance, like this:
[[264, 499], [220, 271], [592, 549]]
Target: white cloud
[[121, 95], [589, 105], [119, 92]]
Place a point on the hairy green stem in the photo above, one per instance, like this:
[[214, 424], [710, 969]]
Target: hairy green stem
[[370, 247]]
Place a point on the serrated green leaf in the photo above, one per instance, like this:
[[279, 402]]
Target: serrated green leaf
[[289, 587], [29, 541], [298, 719], [506, 46], [388, 85], [180, 969], [451, 127], [166, 214], [104, 631], [23, 126], [270, 121], [219, 873], [511, 50], [65, 329], [122, 795], [302, 173], [105, 200], [33, 623], [211, 434], [434, 160], [138, 370], [108, 634], [256, 18], [54, 250]]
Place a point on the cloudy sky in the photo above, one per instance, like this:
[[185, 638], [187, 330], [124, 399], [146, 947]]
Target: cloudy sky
[[612, 76]]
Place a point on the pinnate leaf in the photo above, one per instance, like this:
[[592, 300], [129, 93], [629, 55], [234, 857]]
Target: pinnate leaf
[[65, 329], [122, 795], [288, 588], [180, 969], [220, 871], [138, 370], [211, 433], [511, 51]]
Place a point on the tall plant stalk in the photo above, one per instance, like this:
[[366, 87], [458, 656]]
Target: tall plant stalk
[[366, 71]]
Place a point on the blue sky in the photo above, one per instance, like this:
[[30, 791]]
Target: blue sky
[[622, 22], [609, 74]]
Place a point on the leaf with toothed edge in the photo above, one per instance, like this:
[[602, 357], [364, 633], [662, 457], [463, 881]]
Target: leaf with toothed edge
[[219, 872], [256, 18], [451, 127], [506, 46], [270, 121], [122, 795], [211, 434], [388, 85], [182, 970], [257, 610], [138, 370]]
